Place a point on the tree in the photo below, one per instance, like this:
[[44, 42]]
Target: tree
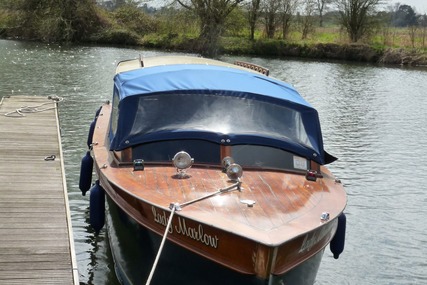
[[135, 19], [55, 21], [404, 16], [212, 16], [253, 14], [307, 20], [321, 6], [119, 3], [288, 11], [384, 19], [423, 23], [355, 16], [412, 34], [270, 10]]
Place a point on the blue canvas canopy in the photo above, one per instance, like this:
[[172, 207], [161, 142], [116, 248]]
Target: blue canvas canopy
[[215, 103]]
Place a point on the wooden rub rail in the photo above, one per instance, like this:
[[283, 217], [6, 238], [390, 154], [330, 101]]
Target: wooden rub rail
[[36, 241], [253, 67]]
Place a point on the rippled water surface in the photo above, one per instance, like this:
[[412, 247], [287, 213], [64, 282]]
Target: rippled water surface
[[373, 119]]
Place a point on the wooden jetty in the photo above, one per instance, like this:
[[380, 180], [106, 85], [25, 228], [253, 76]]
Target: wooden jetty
[[36, 241]]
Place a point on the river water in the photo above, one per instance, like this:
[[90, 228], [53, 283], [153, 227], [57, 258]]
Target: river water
[[373, 118]]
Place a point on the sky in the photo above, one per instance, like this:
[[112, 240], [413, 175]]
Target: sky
[[420, 5]]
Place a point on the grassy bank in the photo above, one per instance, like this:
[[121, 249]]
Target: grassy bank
[[179, 32], [279, 48], [394, 47]]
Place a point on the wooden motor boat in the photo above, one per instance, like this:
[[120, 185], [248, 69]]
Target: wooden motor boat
[[213, 173]]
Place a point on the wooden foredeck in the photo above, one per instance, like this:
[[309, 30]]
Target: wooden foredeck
[[36, 242]]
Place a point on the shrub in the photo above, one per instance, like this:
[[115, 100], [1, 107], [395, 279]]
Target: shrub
[[119, 36], [136, 20]]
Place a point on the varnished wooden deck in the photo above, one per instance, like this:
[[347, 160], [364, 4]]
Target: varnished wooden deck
[[36, 243]]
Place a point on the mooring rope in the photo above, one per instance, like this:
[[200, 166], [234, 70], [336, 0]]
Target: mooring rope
[[174, 207], [177, 207], [20, 112]]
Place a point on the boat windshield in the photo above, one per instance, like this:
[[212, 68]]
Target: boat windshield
[[211, 113], [210, 116]]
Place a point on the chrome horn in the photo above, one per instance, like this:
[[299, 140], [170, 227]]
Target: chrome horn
[[233, 170]]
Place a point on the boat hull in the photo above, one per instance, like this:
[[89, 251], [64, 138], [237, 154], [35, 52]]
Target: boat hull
[[134, 248]]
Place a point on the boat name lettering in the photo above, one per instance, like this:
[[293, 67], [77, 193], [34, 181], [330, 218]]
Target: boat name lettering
[[312, 239], [196, 233], [161, 219]]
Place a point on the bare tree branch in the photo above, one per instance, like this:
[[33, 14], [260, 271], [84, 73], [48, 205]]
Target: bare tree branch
[[355, 16]]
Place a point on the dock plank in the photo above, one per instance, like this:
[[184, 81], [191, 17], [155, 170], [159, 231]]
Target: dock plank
[[36, 245]]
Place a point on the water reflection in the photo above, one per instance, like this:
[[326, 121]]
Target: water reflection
[[372, 119]]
